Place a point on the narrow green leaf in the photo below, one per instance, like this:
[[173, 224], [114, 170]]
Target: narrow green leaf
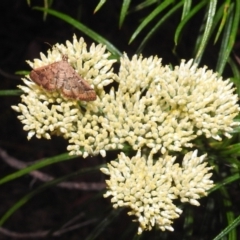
[[155, 28], [230, 33], [44, 186], [144, 4], [22, 72], [186, 8], [149, 18], [223, 11], [124, 10], [40, 164], [47, 4], [207, 30], [103, 224], [233, 149], [221, 145], [14, 92], [45, 13], [95, 36], [229, 218], [235, 69], [14, 208], [236, 74], [100, 4], [233, 178], [187, 18], [232, 226], [224, 43]]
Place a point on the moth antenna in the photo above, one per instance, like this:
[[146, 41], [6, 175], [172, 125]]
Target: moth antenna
[[64, 56], [48, 44]]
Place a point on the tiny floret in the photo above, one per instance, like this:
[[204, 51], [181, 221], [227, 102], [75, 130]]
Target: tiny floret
[[148, 187], [154, 107]]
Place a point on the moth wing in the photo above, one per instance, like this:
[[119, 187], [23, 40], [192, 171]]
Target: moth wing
[[45, 76], [85, 92], [78, 88], [65, 73], [69, 88], [61, 75]]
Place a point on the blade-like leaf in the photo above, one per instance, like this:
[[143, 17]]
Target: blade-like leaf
[[207, 30], [100, 4], [124, 11], [223, 11], [149, 18], [103, 224], [155, 28], [232, 226], [44, 186], [39, 164], [230, 33], [14, 92], [233, 178], [224, 43], [229, 218], [233, 149], [186, 8], [186, 19], [95, 36], [236, 74], [22, 72], [144, 4]]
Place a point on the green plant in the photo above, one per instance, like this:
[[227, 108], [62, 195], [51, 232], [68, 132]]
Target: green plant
[[186, 85]]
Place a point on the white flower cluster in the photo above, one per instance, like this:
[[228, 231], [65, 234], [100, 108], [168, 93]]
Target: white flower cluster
[[148, 188], [45, 113], [192, 179], [153, 108], [158, 108]]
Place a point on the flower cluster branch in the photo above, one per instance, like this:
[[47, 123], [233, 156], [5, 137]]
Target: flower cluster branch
[[149, 187], [154, 108]]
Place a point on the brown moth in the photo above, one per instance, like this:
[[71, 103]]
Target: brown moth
[[61, 76]]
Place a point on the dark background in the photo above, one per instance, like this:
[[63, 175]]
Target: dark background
[[22, 35]]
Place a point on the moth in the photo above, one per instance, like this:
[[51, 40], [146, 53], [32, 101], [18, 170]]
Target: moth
[[61, 76]]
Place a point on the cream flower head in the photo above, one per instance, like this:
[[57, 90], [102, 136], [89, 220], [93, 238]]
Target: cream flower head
[[148, 188], [45, 113], [161, 109], [153, 107]]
